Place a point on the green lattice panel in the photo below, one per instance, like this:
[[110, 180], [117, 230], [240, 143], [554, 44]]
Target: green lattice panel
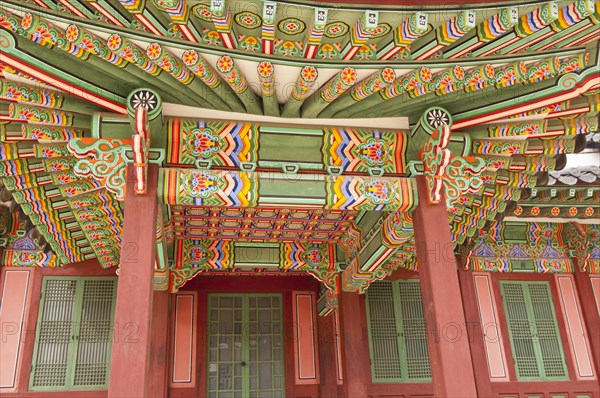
[[414, 330], [245, 346], [383, 333], [533, 331], [397, 333], [74, 334]]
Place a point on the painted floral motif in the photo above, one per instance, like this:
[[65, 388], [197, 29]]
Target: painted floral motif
[[201, 184], [329, 51], [287, 48], [203, 12], [265, 69], [374, 152], [26, 21], [114, 42], [198, 256], [366, 51], [154, 51], [72, 33], [248, 20], [249, 43], [335, 29], [314, 257], [211, 37], [205, 144], [379, 191], [190, 57], [348, 76], [225, 64], [381, 30], [291, 26]]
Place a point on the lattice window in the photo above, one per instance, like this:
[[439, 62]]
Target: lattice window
[[397, 332], [533, 331], [74, 334]]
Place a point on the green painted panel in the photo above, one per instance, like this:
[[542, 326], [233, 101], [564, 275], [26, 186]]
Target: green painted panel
[[290, 148]]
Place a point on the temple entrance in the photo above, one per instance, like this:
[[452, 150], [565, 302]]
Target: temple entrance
[[245, 346]]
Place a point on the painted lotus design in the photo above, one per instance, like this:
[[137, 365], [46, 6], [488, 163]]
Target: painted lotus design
[[379, 191], [373, 152]]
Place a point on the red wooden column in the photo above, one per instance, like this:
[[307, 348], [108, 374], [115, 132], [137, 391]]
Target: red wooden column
[[328, 367], [130, 373], [159, 345], [355, 345], [590, 310], [451, 364]]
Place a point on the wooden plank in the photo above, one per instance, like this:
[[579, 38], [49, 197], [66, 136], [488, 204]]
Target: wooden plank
[[305, 349], [184, 340], [15, 283]]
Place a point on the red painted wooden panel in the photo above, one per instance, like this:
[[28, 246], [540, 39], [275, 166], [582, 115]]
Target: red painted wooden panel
[[492, 334], [305, 350], [578, 338], [12, 312], [596, 288], [184, 340], [338, 350]]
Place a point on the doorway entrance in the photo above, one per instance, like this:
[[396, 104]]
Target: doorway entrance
[[245, 346]]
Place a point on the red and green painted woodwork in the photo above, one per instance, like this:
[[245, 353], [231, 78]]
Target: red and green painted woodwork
[[268, 26], [315, 35], [221, 16], [372, 262], [411, 29], [204, 24], [379, 80], [194, 61], [195, 256], [302, 90], [519, 247], [486, 32], [19, 249], [530, 33], [360, 34], [574, 203], [526, 25], [440, 84], [327, 302], [258, 189], [330, 91], [423, 83], [179, 71], [266, 77], [583, 243], [238, 83], [432, 44], [537, 128], [260, 224]]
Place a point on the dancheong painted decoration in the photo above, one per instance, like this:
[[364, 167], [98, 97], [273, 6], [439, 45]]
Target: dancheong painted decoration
[[339, 150]]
